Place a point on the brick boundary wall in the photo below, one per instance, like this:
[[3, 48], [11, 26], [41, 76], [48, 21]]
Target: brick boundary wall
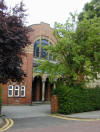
[[54, 104]]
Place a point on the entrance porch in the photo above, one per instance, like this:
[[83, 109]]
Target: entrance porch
[[41, 89]]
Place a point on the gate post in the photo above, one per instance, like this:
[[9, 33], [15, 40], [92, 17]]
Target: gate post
[[54, 104]]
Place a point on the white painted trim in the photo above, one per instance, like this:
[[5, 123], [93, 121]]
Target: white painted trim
[[11, 90], [23, 90], [18, 91]]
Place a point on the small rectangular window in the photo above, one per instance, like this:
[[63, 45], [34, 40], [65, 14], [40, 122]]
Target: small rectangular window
[[22, 91], [10, 90], [16, 90]]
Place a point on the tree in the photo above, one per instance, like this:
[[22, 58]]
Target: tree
[[13, 39], [77, 52], [90, 10]]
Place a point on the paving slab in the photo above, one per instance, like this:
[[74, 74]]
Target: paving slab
[[90, 115], [26, 111], [41, 110], [36, 119]]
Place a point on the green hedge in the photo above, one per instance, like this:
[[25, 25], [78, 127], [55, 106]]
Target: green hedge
[[75, 99]]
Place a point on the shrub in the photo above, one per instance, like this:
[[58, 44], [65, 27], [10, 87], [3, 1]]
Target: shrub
[[77, 99]]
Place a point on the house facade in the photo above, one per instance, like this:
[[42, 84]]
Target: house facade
[[34, 87]]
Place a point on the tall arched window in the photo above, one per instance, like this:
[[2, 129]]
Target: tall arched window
[[39, 51], [36, 48], [44, 43]]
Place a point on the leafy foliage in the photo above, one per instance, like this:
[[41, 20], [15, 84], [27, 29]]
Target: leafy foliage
[[76, 52], [13, 39], [77, 99], [90, 10]]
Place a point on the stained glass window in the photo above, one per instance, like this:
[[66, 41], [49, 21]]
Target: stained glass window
[[36, 48], [39, 50]]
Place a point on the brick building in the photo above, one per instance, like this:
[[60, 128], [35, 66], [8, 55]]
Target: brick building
[[34, 87]]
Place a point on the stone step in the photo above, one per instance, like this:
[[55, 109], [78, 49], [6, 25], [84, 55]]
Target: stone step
[[40, 102]]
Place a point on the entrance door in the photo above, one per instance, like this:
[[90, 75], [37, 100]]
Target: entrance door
[[37, 89]]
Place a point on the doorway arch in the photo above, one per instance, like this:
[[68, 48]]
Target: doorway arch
[[48, 88], [37, 89]]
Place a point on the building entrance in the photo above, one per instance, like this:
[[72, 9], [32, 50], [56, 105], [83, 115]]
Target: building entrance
[[37, 89], [41, 90]]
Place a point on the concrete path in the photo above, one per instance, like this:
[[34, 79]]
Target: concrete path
[[26, 111], [91, 115], [38, 119], [41, 110]]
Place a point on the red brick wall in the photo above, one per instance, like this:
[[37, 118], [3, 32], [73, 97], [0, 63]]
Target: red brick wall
[[54, 104], [43, 30], [4, 94], [28, 68]]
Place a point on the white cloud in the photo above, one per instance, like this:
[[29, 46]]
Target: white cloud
[[49, 11]]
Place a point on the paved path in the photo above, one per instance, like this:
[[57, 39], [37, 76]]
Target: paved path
[[26, 111], [49, 124], [38, 119], [92, 114]]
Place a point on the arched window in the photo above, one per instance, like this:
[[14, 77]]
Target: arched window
[[36, 48], [44, 53], [39, 51]]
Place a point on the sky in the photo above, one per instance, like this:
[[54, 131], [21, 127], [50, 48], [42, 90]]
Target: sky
[[49, 11]]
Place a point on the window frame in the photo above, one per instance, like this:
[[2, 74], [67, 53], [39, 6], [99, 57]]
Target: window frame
[[22, 90], [11, 90], [36, 50], [15, 90], [42, 42]]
